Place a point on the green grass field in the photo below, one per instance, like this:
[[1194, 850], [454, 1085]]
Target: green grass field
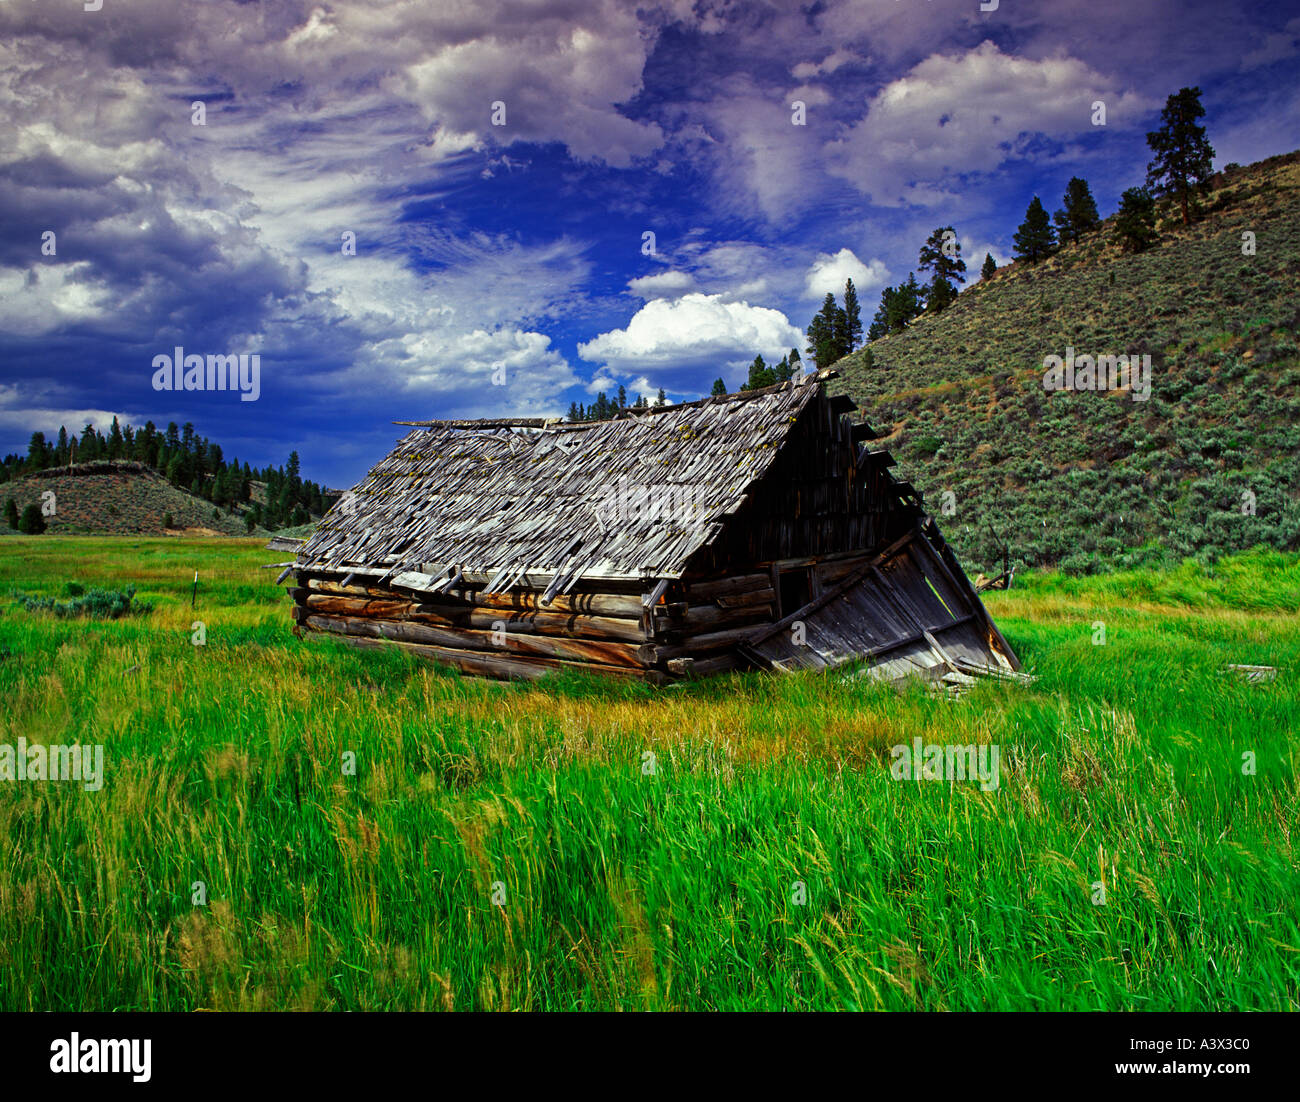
[[505, 847]]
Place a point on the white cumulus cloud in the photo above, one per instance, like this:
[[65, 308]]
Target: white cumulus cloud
[[676, 344], [829, 271]]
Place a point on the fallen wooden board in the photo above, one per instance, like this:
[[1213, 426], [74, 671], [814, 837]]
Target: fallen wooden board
[[1253, 673]]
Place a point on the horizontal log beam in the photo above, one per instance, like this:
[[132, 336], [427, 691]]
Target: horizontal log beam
[[559, 624], [618, 606], [704, 617], [484, 664], [756, 597], [523, 647], [831, 572], [705, 667], [727, 587], [704, 644], [543, 646]]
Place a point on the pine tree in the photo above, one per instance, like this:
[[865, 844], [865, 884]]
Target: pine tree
[[146, 443], [898, 306], [939, 295], [880, 321], [909, 303], [828, 333], [1183, 157], [1035, 240], [661, 399], [818, 339], [941, 256], [37, 452], [1135, 223], [62, 453], [760, 375], [719, 389], [11, 512], [88, 449], [841, 345], [622, 397], [852, 315], [1079, 211], [31, 523], [990, 266]]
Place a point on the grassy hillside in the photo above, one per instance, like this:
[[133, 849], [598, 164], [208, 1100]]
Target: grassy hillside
[[504, 846], [1097, 480], [125, 501]]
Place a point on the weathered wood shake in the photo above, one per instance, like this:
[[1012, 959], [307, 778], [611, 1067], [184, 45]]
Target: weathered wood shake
[[755, 530]]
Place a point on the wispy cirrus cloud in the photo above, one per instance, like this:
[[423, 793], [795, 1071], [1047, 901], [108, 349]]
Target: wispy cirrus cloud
[[956, 116]]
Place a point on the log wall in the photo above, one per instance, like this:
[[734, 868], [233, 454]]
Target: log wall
[[693, 630]]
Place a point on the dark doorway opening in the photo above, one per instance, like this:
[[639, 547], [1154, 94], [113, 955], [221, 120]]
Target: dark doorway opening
[[795, 589]]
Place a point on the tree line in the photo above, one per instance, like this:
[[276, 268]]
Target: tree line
[[1180, 166], [833, 333], [605, 408], [1182, 162], [188, 461]]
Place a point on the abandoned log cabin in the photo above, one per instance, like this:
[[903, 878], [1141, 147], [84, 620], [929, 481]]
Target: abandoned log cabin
[[752, 530]]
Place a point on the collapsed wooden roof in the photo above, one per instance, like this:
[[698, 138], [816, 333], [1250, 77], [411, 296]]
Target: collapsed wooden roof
[[526, 498]]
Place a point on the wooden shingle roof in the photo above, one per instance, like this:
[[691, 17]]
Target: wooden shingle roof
[[564, 502]]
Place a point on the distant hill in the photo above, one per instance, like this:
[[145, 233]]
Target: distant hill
[[118, 497], [1089, 479], [182, 457]]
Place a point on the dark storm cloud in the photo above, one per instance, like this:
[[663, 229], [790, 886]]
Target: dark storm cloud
[[519, 245]]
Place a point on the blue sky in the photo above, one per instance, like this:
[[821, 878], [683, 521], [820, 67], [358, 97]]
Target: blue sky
[[483, 247]]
